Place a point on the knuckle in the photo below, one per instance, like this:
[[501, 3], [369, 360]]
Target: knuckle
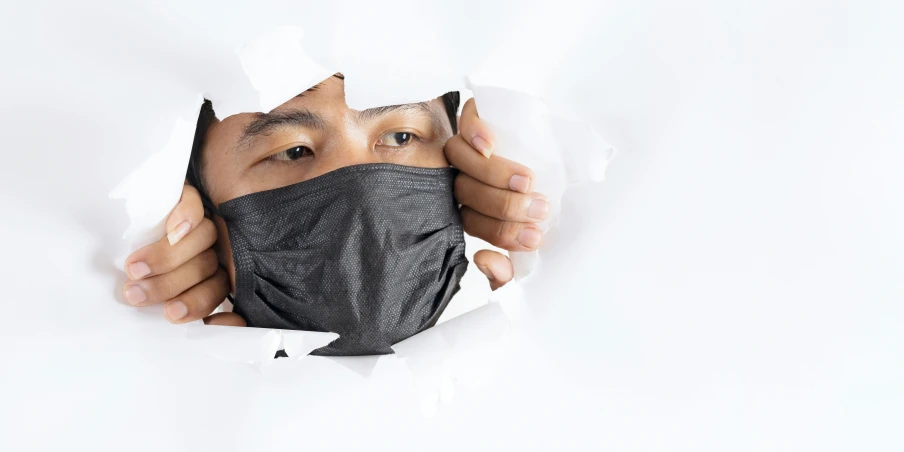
[[209, 287], [217, 288], [470, 224], [220, 285], [208, 295], [511, 206], [511, 234], [163, 259], [206, 226], [220, 282], [504, 233], [208, 231], [460, 188], [166, 264], [208, 262], [162, 288]]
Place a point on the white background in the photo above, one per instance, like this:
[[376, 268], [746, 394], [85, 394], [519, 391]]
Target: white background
[[735, 284]]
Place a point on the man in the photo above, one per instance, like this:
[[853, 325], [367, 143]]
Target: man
[[312, 136]]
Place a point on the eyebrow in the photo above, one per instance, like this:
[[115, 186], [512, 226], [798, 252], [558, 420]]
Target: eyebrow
[[265, 123], [422, 107], [371, 113]]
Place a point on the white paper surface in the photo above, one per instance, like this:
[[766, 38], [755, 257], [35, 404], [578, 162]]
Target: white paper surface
[[559, 152], [733, 285], [278, 68], [153, 190]]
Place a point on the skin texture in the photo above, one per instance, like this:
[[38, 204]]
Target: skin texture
[[191, 270]]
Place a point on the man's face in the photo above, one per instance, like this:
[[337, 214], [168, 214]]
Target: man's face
[[311, 135]]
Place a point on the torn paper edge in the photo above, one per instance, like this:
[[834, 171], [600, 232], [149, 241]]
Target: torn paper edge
[[279, 69], [153, 189], [561, 152]]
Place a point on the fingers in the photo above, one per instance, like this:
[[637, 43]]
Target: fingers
[[225, 319], [498, 203], [509, 235], [495, 171], [198, 301], [181, 268], [161, 257], [495, 266], [166, 286], [186, 216], [475, 132]]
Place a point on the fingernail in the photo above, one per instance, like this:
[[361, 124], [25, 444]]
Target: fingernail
[[134, 294], [176, 234], [486, 272], [139, 270], [520, 183], [175, 310], [483, 146], [530, 237], [539, 209]]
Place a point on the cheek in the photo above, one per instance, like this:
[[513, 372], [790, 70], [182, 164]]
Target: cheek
[[224, 251], [428, 156]]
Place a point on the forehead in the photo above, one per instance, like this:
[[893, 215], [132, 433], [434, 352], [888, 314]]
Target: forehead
[[326, 97]]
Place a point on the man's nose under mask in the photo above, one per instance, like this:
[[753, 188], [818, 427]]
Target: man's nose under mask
[[372, 252]]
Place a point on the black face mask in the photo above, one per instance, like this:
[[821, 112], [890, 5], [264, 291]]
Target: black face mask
[[371, 252]]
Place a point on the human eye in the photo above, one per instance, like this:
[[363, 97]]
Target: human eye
[[292, 154], [396, 139]]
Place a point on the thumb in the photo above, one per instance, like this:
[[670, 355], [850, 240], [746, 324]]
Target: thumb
[[476, 132]]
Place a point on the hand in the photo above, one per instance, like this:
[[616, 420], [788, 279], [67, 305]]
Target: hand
[[181, 270], [497, 198]]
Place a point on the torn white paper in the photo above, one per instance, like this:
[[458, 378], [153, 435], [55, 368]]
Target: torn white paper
[[253, 345], [559, 151], [153, 190], [734, 285], [278, 67]]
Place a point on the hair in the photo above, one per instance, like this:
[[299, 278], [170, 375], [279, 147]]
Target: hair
[[207, 117]]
